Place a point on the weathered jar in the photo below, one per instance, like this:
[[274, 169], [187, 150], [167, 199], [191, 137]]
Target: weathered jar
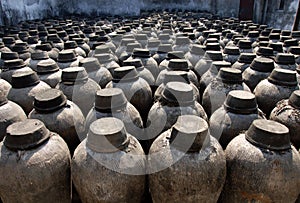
[[285, 61], [67, 58], [37, 57], [244, 61], [49, 72], [13, 66]]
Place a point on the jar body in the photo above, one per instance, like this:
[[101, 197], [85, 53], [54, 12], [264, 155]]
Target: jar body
[[101, 76], [252, 77], [52, 79], [41, 174], [251, 169]]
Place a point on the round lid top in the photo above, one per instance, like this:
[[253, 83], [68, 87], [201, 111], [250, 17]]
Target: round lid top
[[141, 37], [39, 55], [103, 58], [102, 49], [107, 135], [74, 74], [214, 55], [285, 32], [14, 64], [164, 48], [46, 66], [198, 49], [253, 34], [294, 50], [230, 75], [294, 99], [153, 43], [125, 73], [137, 63], [290, 42], [262, 64], [178, 64], [269, 135], [70, 45], [176, 76], [44, 47], [26, 134], [110, 99], [8, 40], [178, 93], [213, 47], [265, 51], [138, 52], [240, 102], [231, 50], [245, 44], [90, 64], [246, 58], [66, 56], [285, 59], [24, 79], [283, 77], [277, 46], [189, 133], [131, 46], [175, 55], [49, 100], [9, 55], [274, 36], [20, 47]]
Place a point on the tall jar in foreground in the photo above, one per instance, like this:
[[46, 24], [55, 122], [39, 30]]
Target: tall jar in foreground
[[34, 165], [262, 166], [187, 164], [109, 165]]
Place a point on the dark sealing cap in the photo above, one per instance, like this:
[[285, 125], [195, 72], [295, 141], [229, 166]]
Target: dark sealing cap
[[262, 64], [90, 64], [24, 79], [70, 45], [175, 55], [66, 56], [293, 49], [246, 58], [269, 135], [110, 99], [107, 135], [49, 100], [231, 50], [265, 51], [9, 56], [214, 55], [143, 53], [178, 93], [176, 76], [46, 66], [244, 44], [277, 46], [178, 64], [240, 102], [25, 135], [283, 77], [39, 55], [213, 47], [230, 75], [137, 63], [125, 73], [74, 74], [285, 58], [294, 99], [290, 42]]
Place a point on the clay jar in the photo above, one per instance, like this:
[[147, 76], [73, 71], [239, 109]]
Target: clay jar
[[287, 112], [258, 70], [59, 115], [261, 156], [37, 57], [195, 54], [203, 65], [67, 58], [244, 61], [171, 55], [5, 56], [107, 62], [231, 54], [236, 115], [52, 52], [111, 102], [40, 161], [178, 65], [278, 86], [97, 73], [72, 45], [193, 161], [176, 76], [285, 61], [25, 86], [49, 72], [162, 53], [109, 165], [78, 87], [176, 99], [11, 67], [10, 112], [228, 79], [182, 43]]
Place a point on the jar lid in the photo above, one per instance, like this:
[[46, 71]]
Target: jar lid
[[126, 41], [49, 100], [295, 34], [46, 66], [262, 64], [110, 99], [44, 47], [263, 39], [164, 48], [66, 56], [141, 37], [102, 49], [33, 40], [90, 64], [294, 50], [246, 58], [178, 93], [74, 74], [131, 46], [107, 135], [137, 63], [143, 53], [26, 135], [175, 55], [253, 34], [230, 75], [164, 37], [213, 47], [265, 51], [198, 49], [294, 99], [153, 43], [290, 42], [176, 76], [70, 45], [125, 73], [9, 56], [283, 77], [103, 58], [103, 38], [286, 32], [189, 133], [277, 46], [39, 55], [78, 40], [8, 40], [245, 44], [24, 79], [20, 47], [214, 55], [285, 58], [231, 50], [274, 36], [240, 102], [269, 135], [178, 64]]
